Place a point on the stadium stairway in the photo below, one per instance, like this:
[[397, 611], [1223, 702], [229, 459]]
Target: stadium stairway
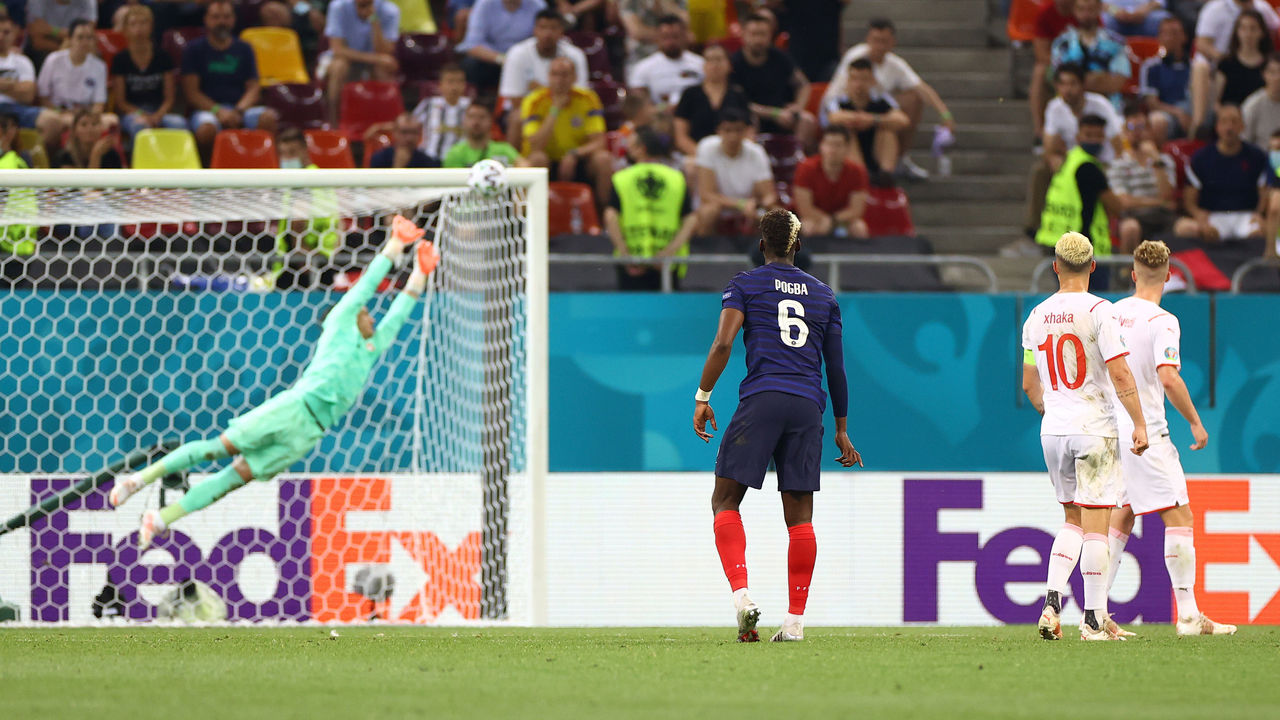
[[979, 208]]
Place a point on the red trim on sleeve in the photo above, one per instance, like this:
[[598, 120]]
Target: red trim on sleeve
[[1096, 305], [1172, 365], [1126, 352]]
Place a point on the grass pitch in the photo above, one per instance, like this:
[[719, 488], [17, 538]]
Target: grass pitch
[[392, 672]]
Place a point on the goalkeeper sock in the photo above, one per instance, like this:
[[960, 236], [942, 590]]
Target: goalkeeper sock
[[1063, 556], [1116, 545], [203, 494], [801, 553], [731, 543], [183, 458]]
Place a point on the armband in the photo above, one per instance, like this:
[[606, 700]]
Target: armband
[[702, 395], [1028, 357]]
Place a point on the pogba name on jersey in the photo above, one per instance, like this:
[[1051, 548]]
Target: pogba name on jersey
[[791, 288], [1059, 317]]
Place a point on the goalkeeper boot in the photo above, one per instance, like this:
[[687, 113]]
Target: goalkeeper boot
[[1202, 625], [748, 618], [124, 487], [152, 526], [792, 630]]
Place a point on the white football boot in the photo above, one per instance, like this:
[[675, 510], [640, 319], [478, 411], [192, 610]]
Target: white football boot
[[792, 630], [1103, 633], [152, 526], [748, 618], [124, 487], [1202, 625], [1114, 628], [1050, 625]]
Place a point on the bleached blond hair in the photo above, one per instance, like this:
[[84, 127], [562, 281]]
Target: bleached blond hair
[[1074, 251], [780, 230]]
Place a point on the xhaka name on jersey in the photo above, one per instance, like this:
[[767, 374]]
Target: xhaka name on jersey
[[1059, 317], [791, 288]]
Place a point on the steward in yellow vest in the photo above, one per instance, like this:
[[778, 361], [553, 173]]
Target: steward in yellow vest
[[1079, 197]]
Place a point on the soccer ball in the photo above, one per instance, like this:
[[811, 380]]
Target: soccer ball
[[488, 177]]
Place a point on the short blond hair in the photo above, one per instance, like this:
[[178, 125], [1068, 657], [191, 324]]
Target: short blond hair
[[1151, 254], [139, 10], [1074, 251]]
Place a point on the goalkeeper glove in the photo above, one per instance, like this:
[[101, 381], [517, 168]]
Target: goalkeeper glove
[[428, 257]]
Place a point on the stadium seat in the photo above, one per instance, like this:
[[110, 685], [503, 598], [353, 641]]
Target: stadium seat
[[611, 96], [1022, 20], [366, 103], [244, 149], [888, 213], [300, 106], [110, 42], [421, 56], [416, 17], [816, 91], [279, 55], [177, 40], [165, 149], [1181, 152], [329, 149], [564, 200], [592, 44], [784, 154], [1139, 49], [374, 144], [31, 144]]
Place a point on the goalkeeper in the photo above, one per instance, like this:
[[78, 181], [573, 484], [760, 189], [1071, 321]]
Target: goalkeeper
[[284, 429]]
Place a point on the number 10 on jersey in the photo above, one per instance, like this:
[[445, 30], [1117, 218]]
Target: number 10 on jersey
[[1057, 368]]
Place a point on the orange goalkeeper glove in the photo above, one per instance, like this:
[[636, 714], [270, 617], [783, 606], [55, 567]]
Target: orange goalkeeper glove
[[428, 257]]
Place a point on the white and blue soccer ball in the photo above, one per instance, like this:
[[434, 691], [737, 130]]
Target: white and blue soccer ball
[[488, 177]]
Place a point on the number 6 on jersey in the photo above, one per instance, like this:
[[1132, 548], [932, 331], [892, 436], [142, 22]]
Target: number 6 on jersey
[[787, 322]]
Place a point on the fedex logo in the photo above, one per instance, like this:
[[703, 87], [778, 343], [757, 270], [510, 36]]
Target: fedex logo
[[1237, 531]]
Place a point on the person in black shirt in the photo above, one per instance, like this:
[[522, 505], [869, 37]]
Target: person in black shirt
[[697, 115], [88, 147], [1240, 72], [873, 118], [404, 152], [143, 81], [775, 87]]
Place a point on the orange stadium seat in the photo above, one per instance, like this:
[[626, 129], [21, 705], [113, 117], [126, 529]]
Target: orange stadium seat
[[366, 103], [165, 149], [244, 149], [300, 106], [177, 40], [278, 53], [816, 91], [374, 144], [1022, 20], [566, 197], [110, 42], [422, 56], [329, 149], [888, 213]]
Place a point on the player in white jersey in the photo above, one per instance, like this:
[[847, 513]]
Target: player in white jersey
[[1072, 357], [1154, 482]]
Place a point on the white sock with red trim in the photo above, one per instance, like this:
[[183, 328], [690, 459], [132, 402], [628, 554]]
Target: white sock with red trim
[[1180, 559], [1063, 557], [1116, 544], [1093, 566]]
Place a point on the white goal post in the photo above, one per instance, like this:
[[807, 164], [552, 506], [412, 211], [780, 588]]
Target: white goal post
[[145, 307]]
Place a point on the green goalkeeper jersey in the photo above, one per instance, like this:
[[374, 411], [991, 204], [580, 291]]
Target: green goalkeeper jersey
[[343, 357]]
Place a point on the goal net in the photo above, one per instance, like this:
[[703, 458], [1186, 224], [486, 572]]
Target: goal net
[[144, 309]]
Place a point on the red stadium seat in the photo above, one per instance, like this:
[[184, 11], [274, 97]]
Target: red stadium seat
[[245, 149], [564, 198], [784, 154], [816, 91], [366, 103], [1140, 48], [592, 44], [611, 96], [110, 42], [177, 40], [422, 56], [888, 213], [1022, 20], [374, 144], [300, 106], [329, 149], [1181, 152]]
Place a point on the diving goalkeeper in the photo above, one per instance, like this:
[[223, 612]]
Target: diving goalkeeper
[[283, 430]]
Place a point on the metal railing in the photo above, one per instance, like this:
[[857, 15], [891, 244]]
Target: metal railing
[[832, 260], [1237, 277], [1047, 263]]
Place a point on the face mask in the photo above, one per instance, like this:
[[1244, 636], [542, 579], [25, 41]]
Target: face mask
[[1094, 149], [291, 164], [1275, 158]]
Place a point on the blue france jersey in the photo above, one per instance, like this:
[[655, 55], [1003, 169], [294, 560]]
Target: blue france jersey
[[789, 315]]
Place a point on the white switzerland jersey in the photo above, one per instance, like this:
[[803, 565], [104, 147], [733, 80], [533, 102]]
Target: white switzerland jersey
[[1153, 338], [1071, 337]]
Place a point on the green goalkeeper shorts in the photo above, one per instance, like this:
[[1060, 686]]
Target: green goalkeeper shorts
[[275, 435]]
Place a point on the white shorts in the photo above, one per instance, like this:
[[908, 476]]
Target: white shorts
[[1153, 480], [1084, 469], [1236, 225]]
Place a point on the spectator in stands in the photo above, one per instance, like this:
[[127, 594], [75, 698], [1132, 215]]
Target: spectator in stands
[[564, 130], [1101, 53], [18, 88], [460, 12], [89, 146], [291, 150], [872, 117], [1131, 18], [75, 78], [1080, 199], [1223, 180], [493, 27], [143, 81], [814, 28], [49, 24], [1240, 70], [1271, 233], [528, 64], [441, 116], [665, 74], [1143, 180], [650, 212], [16, 241], [831, 189], [302, 18], [640, 20], [1215, 29], [362, 45], [1054, 18], [585, 14], [477, 142], [300, 239], [698, 113], [220, 79], [1262, 109], [774, 86], [1164, 83], [895, 78], [405, 150], [10, 158], [734, 174]]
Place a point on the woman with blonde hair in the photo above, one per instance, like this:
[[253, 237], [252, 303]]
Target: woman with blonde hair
[[143, 80]]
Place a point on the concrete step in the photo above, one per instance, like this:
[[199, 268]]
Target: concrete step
[[970, 85], [950, 240], [929, 34], [978, 188], [983, 162], [946, 59], [967, 13], [973, 110], [967, 214], [982, 136]]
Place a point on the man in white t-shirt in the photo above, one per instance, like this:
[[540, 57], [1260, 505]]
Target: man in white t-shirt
[[1154, 481], [75, 78], [528, 64], [1213, 37], [18, 88], [895, 77], [1073, 357], [666, 73], [733, 173]]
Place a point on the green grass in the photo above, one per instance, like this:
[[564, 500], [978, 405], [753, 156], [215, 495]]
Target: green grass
[[369, 672]]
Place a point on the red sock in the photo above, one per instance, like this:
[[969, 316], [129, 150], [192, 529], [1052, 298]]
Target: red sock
[[731, 543], [801, 553]]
